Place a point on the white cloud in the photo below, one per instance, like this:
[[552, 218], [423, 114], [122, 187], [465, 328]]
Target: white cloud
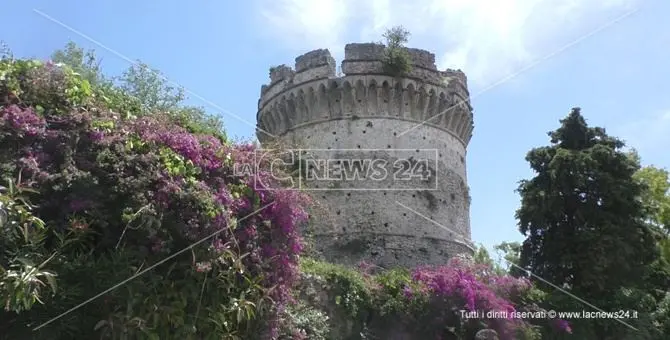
[[304, 23], [488, 39]]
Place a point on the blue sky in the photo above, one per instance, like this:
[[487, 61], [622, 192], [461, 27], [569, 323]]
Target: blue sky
[[543, 56]]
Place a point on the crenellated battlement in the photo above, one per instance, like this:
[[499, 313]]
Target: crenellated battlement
[[367, 59], [361, 58], [313, 65], [311, 92]]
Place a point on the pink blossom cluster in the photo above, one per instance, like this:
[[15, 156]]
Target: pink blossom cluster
[[268, 220], [22, 121], [474, 287]]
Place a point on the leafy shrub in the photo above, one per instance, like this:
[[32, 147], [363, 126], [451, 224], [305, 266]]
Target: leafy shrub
[[396, 60], [428, 301], [305, 322], [23, 236], [119, 193], [351, 290]]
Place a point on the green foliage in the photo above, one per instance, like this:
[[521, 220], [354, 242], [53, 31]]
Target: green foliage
[[5, 51], [350, 287], [656, 202], [580, 213], [585, 225], [391, 299], [483, 257], [139, 91], [424, 302], [85, 63], [661, 315], [305, 322], [32, 83], [103, 190], [397, 61], [656, 196], [152, 88], [511, 253], [177, 165], [22, 279], [664, 245]]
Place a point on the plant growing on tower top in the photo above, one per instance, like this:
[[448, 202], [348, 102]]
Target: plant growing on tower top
[[396, 60]]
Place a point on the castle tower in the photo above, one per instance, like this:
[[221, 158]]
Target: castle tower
[[419, 124]]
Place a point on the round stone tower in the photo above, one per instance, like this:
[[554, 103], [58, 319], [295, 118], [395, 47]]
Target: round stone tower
[[409, 203]]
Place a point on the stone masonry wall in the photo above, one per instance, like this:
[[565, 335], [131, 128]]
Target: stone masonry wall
[[420, 123]]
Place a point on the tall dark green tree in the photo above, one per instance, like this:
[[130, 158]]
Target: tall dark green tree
[[582, 214]]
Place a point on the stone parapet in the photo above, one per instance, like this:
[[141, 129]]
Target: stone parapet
[[312, 92]]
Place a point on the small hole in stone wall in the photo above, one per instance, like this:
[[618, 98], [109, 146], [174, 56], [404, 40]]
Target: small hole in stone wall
[[384, 194], [358, 146], [334, 132], [363, 131], [413, 195], [336, 139], [404, 214], [406, 104], [337, 100], [329, 148], [323, 197], [424, 137], [395, 134], [388, 146], [316, 186], [372, 212], [462, 159], [386, 101], [417, 150], [344, 229], [308, 137], [348, 194], [440, 155], [453, 196], [338, 212], [386, 224]]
